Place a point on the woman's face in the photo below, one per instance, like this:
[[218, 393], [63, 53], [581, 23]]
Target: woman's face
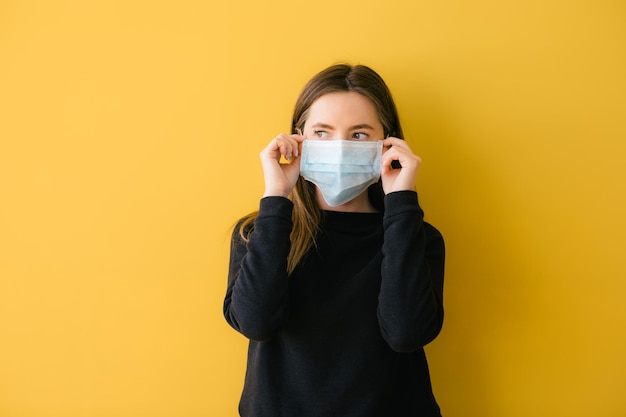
[[343, 116]]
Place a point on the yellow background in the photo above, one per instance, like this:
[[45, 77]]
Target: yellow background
[[129, 141]]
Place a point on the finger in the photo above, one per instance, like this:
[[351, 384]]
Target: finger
[[275, 149], [391, 142], [298, 143], [298, 138], [392, 154], [287, 146], [396, 158], [284, 146]]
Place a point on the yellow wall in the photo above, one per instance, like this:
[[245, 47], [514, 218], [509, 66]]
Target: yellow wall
[[129, 140]]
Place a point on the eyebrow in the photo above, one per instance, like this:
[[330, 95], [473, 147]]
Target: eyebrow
[[355, 127]]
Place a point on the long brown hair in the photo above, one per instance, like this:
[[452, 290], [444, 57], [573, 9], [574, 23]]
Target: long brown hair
[[306, 211]]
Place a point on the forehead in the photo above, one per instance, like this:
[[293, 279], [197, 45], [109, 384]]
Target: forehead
[[343, 107]]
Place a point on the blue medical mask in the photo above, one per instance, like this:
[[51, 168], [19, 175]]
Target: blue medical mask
[[341, 169]]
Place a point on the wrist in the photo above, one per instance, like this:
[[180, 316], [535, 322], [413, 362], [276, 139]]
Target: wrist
[[275, 193]]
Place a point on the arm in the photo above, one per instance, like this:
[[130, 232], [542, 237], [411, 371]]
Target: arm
[[256, 302], [410, 304], [257, 299]]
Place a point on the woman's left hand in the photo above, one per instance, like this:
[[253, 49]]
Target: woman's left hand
[[404, 178]]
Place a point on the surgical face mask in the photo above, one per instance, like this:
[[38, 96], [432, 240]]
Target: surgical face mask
[[341, 169]]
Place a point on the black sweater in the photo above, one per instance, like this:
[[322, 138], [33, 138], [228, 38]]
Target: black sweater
[[342, 336]]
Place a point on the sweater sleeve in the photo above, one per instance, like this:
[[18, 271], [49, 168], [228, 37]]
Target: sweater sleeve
[[410, 305], [257, 297]]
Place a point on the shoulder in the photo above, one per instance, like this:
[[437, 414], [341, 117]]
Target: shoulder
[[243, 227], [432, 231], [434, 238], [269, 208]]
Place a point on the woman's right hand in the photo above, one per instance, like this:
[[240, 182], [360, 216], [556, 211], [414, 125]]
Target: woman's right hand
[[280, 178]]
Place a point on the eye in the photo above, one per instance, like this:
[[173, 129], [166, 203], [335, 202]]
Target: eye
[[360, 136], [320, 133]]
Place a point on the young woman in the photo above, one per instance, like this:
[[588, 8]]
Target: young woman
[[337, 280]]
